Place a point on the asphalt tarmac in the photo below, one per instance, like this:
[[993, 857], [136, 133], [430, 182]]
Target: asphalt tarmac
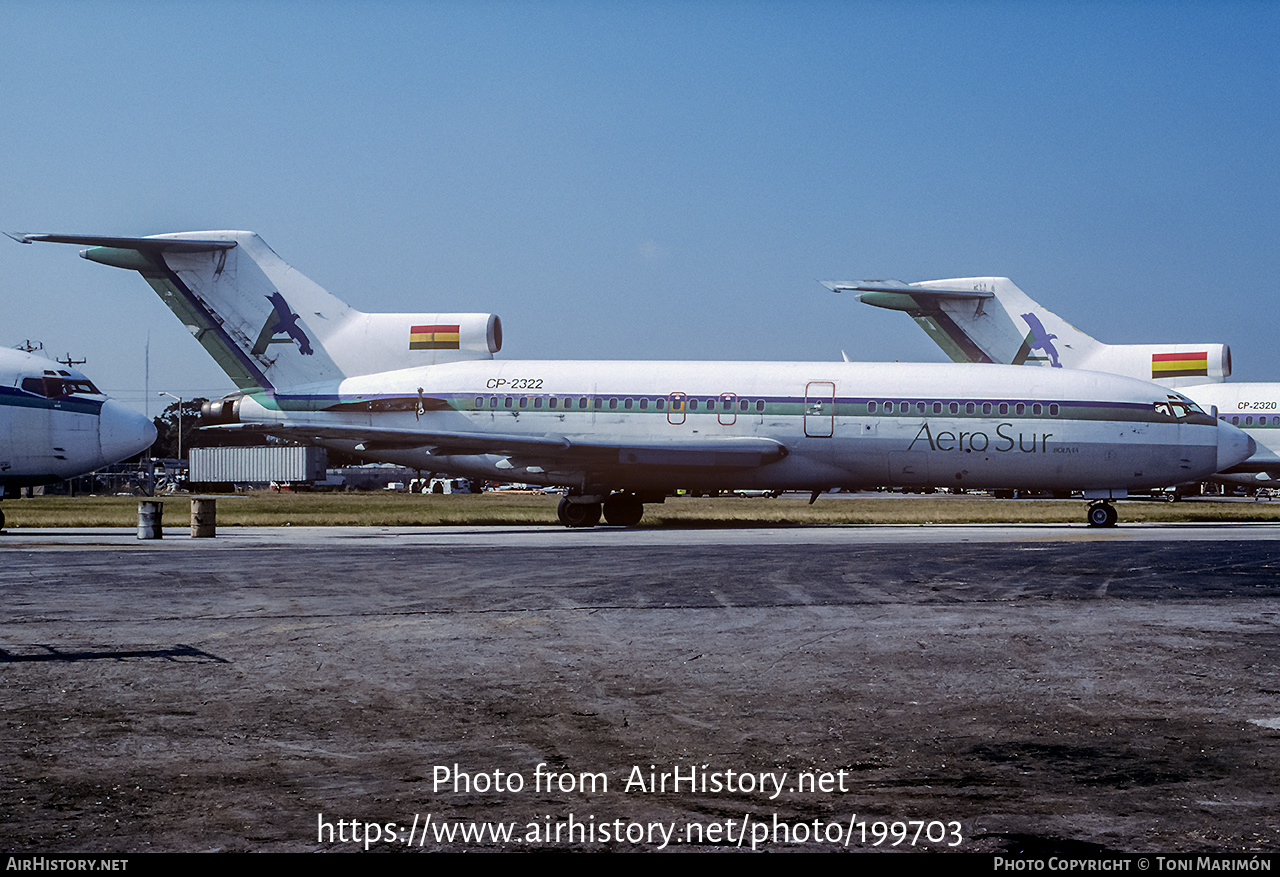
[[1044, 688]]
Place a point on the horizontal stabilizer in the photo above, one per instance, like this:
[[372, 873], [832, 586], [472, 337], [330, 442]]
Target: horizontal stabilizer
[[167, 245], [897, 286]]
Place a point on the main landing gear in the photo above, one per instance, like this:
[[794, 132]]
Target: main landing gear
[[578, 514], [1101, 514], [619, 509]]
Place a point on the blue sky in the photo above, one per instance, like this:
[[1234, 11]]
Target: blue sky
[[649, 180]]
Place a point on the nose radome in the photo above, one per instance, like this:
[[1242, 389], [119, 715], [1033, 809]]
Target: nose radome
[[1234, 446], [122, 432]]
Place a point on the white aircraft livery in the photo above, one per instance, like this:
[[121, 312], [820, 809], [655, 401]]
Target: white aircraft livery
[[423, 390], [55, 424], [989, 319]]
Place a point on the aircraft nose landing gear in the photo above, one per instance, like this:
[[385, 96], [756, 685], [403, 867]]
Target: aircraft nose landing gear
[[1101, 514]]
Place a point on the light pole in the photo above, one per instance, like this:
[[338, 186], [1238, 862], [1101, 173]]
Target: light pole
[[179, 398]]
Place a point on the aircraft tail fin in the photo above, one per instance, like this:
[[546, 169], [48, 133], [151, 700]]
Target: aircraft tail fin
[[267, 325], [989, 319]]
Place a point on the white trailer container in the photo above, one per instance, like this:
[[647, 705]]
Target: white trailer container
[[257, 465]]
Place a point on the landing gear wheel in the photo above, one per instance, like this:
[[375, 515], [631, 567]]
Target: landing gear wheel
[[621, 510], [1102, 514], [578, 514]]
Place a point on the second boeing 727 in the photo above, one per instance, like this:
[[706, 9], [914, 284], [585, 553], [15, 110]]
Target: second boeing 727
[[424, 390], [989, 319]]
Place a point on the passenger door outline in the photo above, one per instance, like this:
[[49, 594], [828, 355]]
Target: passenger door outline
[[676, 405], [819, 409]]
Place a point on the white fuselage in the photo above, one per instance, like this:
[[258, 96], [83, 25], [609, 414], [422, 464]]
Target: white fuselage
[[604, 424], [54, 424]]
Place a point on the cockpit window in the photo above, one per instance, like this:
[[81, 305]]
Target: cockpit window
[[1182, 409], [57, 388]]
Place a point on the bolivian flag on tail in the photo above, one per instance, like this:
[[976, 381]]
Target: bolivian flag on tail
[[433, 337], [1179, 365]]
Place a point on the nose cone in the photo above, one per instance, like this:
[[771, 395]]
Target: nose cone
[[123, 433], [1234, 446]]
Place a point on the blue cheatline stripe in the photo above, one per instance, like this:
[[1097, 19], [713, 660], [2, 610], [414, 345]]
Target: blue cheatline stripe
[[14, 398]]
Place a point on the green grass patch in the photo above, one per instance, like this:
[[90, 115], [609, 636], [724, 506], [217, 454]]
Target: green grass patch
[[508, 508]]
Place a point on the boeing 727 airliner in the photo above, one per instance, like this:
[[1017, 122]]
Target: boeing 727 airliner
[[54, 424], [424, 390]]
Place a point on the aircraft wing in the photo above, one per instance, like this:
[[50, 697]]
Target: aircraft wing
[[730, 451]]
